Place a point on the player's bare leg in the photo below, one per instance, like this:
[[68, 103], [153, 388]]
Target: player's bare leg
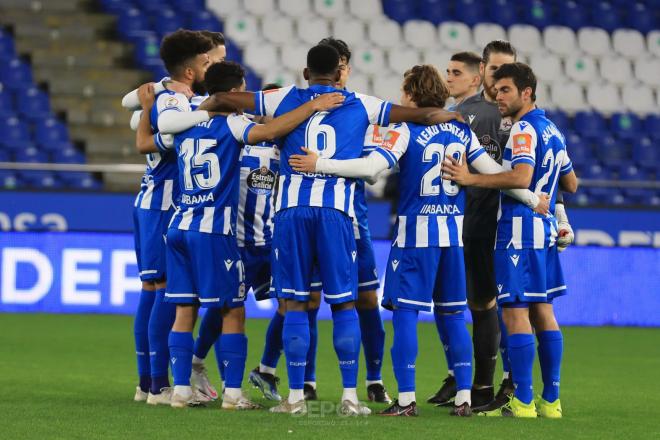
[[373, 342]]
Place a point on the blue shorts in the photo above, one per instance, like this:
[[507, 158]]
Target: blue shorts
[[528, 276], [256, 260], [305, 237], [150, 231], [367, 272], [204, 269], [420, 278]]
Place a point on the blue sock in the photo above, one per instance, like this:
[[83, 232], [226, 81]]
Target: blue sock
[[373, 341], [310, 368], [444, 339], [141, 334], [551, 345], [504, 344], [273, 346], [295, 337], [346, 339], [460, 347], [521, 355], [233, 354], [209, 331], [160, 324], [181, 353], [217, 348], [404, 348]]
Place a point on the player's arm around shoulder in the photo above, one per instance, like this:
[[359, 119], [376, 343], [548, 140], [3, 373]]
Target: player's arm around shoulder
[[423, 115], [144, 140]]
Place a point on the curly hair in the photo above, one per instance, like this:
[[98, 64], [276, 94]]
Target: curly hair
[[182, 45], [425, 86], [223, 76]]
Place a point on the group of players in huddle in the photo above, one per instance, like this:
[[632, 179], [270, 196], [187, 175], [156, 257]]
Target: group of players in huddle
[[265, 191]]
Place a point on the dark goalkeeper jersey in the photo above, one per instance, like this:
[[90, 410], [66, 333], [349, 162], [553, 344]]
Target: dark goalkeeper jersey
[[493, 132]]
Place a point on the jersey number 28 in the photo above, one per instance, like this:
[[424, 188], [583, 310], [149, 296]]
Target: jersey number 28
[[436, 153]]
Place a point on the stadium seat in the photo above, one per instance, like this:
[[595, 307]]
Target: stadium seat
[[330, 8], [281, 77], [115, 6], [589, 124], [538, 14], [546, 66], [653, 43], [252, 80], [294, 56], [454, 35], [572, 15], [567, 96], [8, 179], [351, 30], [420, 34], [399, 10], [167, 21], [388, 87], [560, 119], [652, 125], [359, 83], [260, 56], [224, 8], [30, 154], [16, 75], [33, 104], [370, 60], [150, 6], [604, 98], [259, 8], [646, 70], [484, 33], [15, 133], [469, 12], [40, 179], [543, 98], [68, 155], [7, 48], [630, 172], [596, 171], [241, 28], [278, 29], [646, 156], [503, 12], [616, 70], [185, 6], [525, 38], [629, 43], [146, 46], [385, 33], [312, 29], [399, 60], [594, 41], [438, 58], [559, 40], [132, 21], [79, 180], [611, 151], [642, 18], [366, 10], [203, 19], [604, 15], [581, 69], [625, 125]]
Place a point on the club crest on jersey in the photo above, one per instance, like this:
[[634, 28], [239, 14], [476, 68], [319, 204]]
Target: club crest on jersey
[[522, 143], [261, 181], [390, 139], [506, 124], [171, 102]]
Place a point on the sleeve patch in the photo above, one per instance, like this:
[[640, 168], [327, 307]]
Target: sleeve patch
[[377, 138], [522, 143], [390, 140], [171, 102]]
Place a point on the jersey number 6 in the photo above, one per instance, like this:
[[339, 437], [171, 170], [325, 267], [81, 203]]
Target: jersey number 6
[[320, 138]]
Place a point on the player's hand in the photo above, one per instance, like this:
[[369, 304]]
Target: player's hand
[[327, 101], [543, 206], [179, 87], [457, 171], [146, 96], [304, 163], [566, 235], [441, 116]]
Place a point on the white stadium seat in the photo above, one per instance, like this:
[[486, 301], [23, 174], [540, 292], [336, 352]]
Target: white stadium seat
[[581, 68], [604, 98], [366, 10], [543, 99], [525, 38], [282, 77], [294, 56], [224, 8], [419, 34], [639, 99], [546, 66], [559, 40], [629, 43], [399, 60], [260, 8], [385, 33], [647, 70], [330, 8], [359, 83], [653, 43], [616, 70], [260, 56], [568, 96], [484, 33], [454, 35], [278, 29], [241, 28], [312, 29], [388, 87], [594, 41], [368, 59], [438, 58], [295, 8], [351, 30]]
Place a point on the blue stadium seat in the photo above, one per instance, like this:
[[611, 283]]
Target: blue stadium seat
[[571, 14], [589, 124], [50, 131], [234, 52], [16, 75], [6, 103], [68, 155], [30, 154], [167, 21], [252, 80], [151, 6], [8, 179], [560, 119], [203, 19], [15, 133], [116, 6], [33, 103], [79, 180], [631, 172], [156, 67], [40, 179], [146, 46], [581, 154], [132, 21], [605, 15], [608, 149], [538, 14], [438, 11], [399, 10], [637, 196], [596, 171], [640, 17], [7, 48], [503, 12], [625, 125], [5, 156], [189, 6], [652, 126]]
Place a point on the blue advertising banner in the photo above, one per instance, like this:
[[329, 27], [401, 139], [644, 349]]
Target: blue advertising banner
[[96, 273]]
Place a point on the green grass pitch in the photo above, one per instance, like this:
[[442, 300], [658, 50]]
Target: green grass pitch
[[73, 377]]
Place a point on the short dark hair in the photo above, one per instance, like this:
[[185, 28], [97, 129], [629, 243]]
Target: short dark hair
[[498, 46], [425, 86], [217, 37], [270, 86], [340, 46], [470, 59], [521, 74], [322, 59], [180, 46], [223, 76]]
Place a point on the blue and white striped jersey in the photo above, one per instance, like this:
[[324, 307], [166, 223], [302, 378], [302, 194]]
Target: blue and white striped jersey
[[535, 141], [259, 167], [430, 209], [337, 134], [208, 174], [158, 189]]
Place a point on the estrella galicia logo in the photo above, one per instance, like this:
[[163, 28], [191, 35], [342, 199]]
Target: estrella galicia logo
[[261, 181], [492, 147]]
